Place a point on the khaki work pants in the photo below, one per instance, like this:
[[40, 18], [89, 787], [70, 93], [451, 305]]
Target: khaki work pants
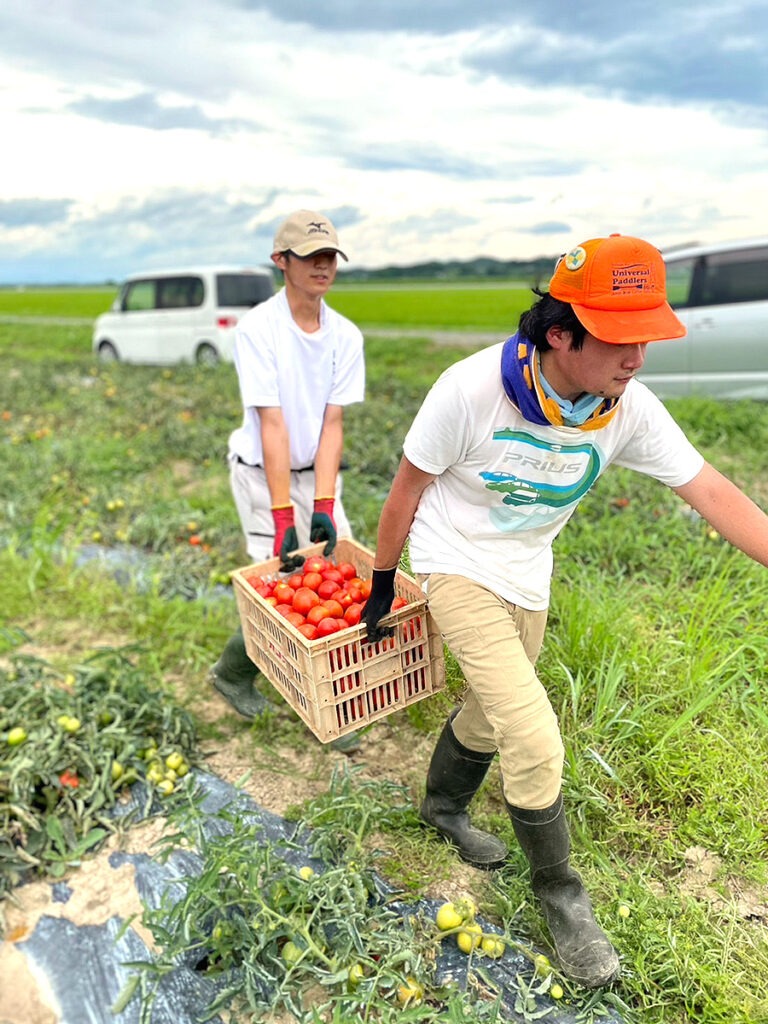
[[496, 644]]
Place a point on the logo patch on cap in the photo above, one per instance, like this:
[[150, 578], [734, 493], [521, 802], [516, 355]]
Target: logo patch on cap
[[633, 277], [576, 258]]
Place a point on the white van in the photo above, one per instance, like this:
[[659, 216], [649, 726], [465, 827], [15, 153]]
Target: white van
[[179, 315], [720, 292]]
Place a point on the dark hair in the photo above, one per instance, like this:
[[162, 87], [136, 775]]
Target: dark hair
[[549, 312]]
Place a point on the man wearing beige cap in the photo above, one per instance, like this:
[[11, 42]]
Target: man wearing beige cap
[[504, 447], [299, 362]]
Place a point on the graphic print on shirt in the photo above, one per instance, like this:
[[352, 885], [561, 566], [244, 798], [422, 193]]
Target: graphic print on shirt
[[543, 478]]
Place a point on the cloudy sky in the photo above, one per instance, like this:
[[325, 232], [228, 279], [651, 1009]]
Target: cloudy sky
[[156, 133]]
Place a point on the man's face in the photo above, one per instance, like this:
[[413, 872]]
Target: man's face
[[597, 368], [313, 274]]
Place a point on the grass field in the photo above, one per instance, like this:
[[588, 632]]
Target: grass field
[[656, 656], [493, 307]]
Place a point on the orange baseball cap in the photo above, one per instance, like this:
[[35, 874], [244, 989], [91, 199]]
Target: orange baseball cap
[[617, 287]]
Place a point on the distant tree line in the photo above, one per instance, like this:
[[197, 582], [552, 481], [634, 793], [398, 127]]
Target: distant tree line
[[481, 268]]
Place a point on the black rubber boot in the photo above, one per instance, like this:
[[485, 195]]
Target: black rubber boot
[[455, 774], [233, 676], [583, 950]]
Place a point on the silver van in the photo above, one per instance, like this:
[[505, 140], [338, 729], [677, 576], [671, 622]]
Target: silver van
[[720, 292], [177, 316]]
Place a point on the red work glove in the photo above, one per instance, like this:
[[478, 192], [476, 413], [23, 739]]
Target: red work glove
[[322, 525], [286, 539]]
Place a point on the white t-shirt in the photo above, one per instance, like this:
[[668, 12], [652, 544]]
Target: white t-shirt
[[506, 487], [278, 364]]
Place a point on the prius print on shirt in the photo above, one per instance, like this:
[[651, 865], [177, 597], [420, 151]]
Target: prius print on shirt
[[544, 477]]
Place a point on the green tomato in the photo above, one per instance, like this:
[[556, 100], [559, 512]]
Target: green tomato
[[410, 992], [492, 946], [16, 736], [355, 975], [290, 952], [448, 917], [469, 937], [117, 771], [542, 964], [69, 723], [174, 760]]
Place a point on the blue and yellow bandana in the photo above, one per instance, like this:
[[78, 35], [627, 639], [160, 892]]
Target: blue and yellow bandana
[[527, 389]]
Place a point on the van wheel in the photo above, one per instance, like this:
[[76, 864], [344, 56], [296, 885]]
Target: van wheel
[[108, 352], [206, 355]]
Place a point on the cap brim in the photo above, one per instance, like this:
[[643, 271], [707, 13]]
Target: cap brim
[[310, 249], [631, 326]]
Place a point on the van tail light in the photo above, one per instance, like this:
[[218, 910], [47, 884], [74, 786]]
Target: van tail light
[[226, 321]]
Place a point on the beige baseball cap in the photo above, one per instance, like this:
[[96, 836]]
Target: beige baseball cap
[[306, 232]]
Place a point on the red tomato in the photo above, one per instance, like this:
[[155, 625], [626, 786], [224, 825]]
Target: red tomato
[[343, 624], [327, 626], [304, 599], [344, 599], [327, 588], [332, 574], [365, 589], [399, 602], [334, 608], [315, 564], [355, 593], [353, 613], [271, 600], [296, 619], [312, 580], [255, 581], [347, 570], [283, 609], [308, 630], [284, 593], [317, 614], [264, 590], [295, 581]]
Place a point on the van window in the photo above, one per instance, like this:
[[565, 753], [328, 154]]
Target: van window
[[139, 295], [179, 292], [740, 276], [244, 290], [679, 278]]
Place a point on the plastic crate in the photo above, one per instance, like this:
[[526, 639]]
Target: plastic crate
[[339, 683]]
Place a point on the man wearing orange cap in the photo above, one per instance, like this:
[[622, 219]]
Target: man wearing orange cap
[[503, 448], [299, 363]]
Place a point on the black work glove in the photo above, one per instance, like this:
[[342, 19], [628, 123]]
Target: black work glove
[[286, 538], [379, 604], [322, 525]]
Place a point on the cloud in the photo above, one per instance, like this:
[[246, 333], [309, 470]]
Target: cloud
[[688, 55], [23, 213], [156, 134], [144, 110]]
